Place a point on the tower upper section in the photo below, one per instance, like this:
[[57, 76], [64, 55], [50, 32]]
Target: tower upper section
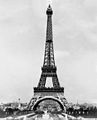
[[49, 68], [49, 35], [49, 52]]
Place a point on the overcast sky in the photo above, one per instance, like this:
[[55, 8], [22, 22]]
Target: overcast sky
[[22, 39]]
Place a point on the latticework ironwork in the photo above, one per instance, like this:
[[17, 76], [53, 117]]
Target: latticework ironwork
[[49, 68]]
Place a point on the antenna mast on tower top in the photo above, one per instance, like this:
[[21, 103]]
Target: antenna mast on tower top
[[49, 2]]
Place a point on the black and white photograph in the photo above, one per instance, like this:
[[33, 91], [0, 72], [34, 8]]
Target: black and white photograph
[[48, 59]]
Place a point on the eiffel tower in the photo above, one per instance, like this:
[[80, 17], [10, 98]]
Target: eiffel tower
[[49, 70]]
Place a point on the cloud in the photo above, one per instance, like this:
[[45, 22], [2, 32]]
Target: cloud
[[22, 38], [80, 75], [61, 54]]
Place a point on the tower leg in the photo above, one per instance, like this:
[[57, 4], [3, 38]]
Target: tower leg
[[42, 82]]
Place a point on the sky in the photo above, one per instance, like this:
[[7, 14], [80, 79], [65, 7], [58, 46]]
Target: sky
[[22, 43]]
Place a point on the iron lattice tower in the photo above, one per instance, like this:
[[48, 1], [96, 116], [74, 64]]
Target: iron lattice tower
[[49, 69]]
